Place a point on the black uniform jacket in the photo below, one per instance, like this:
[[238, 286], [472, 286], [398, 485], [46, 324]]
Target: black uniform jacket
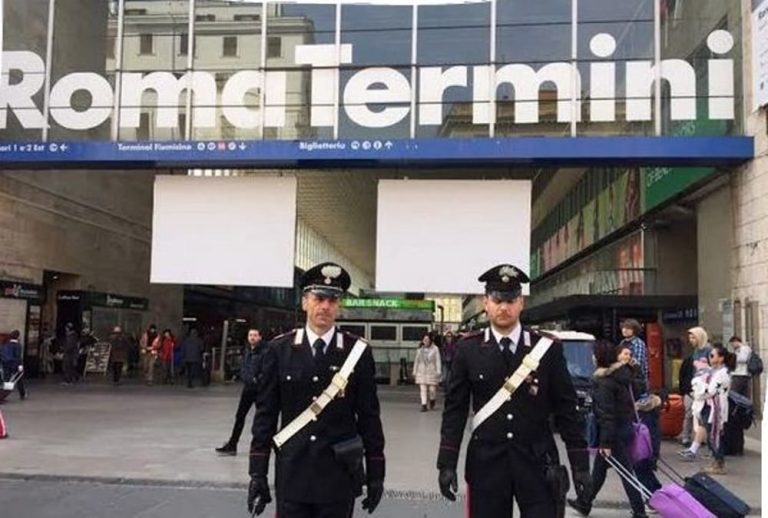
[[522, 423], [306, 469]]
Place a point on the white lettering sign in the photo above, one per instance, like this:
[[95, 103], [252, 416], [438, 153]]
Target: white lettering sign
[[375, 97]]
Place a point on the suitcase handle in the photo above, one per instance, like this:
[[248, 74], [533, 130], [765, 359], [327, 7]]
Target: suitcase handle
[[630, 477]]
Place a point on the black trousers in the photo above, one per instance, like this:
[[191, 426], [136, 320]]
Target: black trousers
[[191, 368], [342, 509], [247, 400], [117, 372], [526, 485]]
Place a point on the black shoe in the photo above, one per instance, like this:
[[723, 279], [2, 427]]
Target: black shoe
[[583, 508], [432, 405], [227, 449], [423, 408]]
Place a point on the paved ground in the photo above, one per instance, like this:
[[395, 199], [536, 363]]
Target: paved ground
[[139, 451]]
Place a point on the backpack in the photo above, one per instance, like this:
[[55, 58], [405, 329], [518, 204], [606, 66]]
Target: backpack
[[754, 364]]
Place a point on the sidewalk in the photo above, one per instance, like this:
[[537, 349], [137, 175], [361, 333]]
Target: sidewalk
[[164, 436]]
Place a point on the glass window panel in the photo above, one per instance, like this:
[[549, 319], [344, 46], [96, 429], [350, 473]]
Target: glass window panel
[[414, 333], [152, 44], [26, 29], [83, 109], [227, 42], [290, 26], [616, 33], [454, 35], [374, 123], [534, 35], [686, 28], [383, 332]]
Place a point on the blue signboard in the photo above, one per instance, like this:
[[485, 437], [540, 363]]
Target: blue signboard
[[541, 151]]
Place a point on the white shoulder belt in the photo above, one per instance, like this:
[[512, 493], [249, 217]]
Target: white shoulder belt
[[504, 394], [338, 384]]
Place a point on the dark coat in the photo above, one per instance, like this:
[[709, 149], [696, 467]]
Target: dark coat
[[306, 470], [252, 364], [120, 347], [687, 371], [71, 345], [192, 349], [523, 423], [10, 356], [612, 402]]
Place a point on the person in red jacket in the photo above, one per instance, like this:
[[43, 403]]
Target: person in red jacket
[[165, 344]]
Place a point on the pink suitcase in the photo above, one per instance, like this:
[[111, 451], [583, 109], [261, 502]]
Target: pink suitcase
[[671, 501]]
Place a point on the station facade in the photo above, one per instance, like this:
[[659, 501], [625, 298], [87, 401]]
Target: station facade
[[588, 99]]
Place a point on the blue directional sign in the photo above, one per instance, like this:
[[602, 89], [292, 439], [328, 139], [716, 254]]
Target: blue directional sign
[[527, 151]]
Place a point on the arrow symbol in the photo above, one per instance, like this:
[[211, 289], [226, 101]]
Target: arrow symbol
[[64, 147], [388, 144], [242, 146]]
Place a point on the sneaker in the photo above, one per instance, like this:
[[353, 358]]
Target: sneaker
[[687, 455], [228, 449], [581, 507]]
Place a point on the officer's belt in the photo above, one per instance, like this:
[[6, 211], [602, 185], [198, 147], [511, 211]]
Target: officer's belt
[[338, 384], [504, 394]]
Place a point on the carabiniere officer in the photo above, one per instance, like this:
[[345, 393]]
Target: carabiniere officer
[[323, 462], [512, 454]]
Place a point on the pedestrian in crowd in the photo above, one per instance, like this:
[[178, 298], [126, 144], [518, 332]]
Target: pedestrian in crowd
[[70, 350], [11, 361], [192, 352], [697, 361], [149, 353], [118, 355], [427, 371], [614, 409], [87, 341], [630, 330], [512, 453], [740, 377], [250, 372], [324, 441], [165, 344], [713, 412], [447, 354]]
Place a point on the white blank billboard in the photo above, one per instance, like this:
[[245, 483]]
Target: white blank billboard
[[439, 236], [231, 231]]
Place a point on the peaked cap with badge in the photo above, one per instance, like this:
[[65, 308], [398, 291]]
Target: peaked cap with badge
[[326, 280], [504, 281]]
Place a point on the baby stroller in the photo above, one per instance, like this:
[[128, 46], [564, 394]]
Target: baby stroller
[[9, 386]]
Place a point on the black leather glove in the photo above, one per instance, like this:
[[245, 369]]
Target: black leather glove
[[582, 483], [258, 495], [449, 483], [373, 496]]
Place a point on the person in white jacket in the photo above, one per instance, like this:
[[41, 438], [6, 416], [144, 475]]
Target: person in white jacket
[[710, 407], [740, 377], [427, 370]]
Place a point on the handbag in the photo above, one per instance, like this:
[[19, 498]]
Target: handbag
[[641, 446]]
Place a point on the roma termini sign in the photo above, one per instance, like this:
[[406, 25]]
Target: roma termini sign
[[375, 97]]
